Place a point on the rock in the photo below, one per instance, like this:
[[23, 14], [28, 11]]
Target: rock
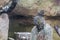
[[4, 26], [26, 7], [32, 7], [11, 38], [3, 2]]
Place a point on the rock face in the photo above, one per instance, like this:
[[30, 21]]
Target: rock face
[[4, 26], [3, 2], [32, 7], [25, 8]]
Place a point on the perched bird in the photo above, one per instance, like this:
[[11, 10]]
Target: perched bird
[[39, 20], [8, 7], [41, 30]]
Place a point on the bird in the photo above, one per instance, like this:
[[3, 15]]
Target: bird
[[42, 30], [39, 20]]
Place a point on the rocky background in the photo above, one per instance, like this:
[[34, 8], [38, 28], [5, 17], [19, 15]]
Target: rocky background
[[22, 16]]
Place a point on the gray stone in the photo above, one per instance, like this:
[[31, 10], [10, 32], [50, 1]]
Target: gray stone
[[45, 34], [4, 26]]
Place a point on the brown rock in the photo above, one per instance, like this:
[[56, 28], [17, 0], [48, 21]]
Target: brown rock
[[3, 2]]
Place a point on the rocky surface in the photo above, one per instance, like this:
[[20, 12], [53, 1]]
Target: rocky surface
[[32, 7], [3, 2], [4, 26]]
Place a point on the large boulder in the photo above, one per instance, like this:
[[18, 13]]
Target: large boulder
[[32, 7], [26, 7]]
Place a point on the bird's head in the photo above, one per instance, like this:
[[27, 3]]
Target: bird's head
[[41, 13]]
